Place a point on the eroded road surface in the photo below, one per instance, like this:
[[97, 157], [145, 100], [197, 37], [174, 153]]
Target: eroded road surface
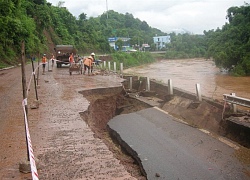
[[167, 148], [62, 142], [65, 146]]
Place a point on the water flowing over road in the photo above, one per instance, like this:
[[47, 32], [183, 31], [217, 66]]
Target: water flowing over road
[[186, 73]]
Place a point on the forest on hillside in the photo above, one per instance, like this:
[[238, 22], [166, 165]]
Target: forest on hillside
[[41, 26], [230, 46]]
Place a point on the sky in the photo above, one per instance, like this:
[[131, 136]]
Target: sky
[[195, 16]]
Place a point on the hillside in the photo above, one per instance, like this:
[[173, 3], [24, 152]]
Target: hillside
[[42, 25]]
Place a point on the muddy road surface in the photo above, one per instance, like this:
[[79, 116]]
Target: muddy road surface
[[64, 145]]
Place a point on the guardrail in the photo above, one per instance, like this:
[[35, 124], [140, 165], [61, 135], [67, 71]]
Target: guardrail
[[235, 100], [231, 98]]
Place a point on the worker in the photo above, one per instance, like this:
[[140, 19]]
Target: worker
[[87, 64], [93, 60], [71, 59], [44, 61], [52, 60]]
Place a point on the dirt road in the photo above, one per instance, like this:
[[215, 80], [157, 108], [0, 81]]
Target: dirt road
[[63, 143]]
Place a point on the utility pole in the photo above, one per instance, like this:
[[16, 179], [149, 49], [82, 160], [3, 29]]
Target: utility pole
[[107, 8], [38, 64], [34, 76], [24, 89]]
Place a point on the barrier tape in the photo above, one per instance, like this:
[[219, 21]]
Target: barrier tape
[[33, 73], [29, 144], [30, 149], [31, 155]]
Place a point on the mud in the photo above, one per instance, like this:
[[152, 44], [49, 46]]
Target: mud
[[104, 105], [102, 108], [66, 146]]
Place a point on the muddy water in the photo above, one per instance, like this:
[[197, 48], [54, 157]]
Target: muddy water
[[186, 73]]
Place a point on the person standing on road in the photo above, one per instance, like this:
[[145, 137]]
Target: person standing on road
[[52, 60], [87, 64], [71, 59], [44, 61], [93, 60]]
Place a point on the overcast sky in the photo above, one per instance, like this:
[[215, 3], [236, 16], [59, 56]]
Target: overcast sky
[[166, 15]]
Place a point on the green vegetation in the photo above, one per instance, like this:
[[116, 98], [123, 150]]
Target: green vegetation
[[132, 59], [230, 46], [41, 26], [185, 46], [158, 55]]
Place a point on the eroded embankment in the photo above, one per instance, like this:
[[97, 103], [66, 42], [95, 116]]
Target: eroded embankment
[[109, 102], [105, 103]]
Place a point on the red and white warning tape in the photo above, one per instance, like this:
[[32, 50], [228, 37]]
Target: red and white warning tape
[[30, 149], [32, 74], [29, 144], [31, 154]]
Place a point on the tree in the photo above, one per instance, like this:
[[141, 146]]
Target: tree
[[119, 43], [230, 46], [83, 17], [43, 25], [144, 26]]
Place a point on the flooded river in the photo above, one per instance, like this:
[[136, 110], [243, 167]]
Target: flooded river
[[186, 73]]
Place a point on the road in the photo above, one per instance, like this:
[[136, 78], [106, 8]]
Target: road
[[64, 145], [169, 149]]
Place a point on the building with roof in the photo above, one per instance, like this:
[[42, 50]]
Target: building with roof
[[161, 41]]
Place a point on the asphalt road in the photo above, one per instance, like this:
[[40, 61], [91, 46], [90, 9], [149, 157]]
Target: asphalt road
[[170, 149]]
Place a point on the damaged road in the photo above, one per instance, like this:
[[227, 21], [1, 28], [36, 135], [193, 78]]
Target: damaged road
[[164, 147], [71, 140], [167, 148]]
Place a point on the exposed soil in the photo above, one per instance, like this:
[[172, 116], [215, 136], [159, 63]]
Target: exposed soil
[[104, 107]]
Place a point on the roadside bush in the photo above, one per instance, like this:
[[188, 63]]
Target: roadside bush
[[239, 71], [246, 64], [132, 59], [176, 55]]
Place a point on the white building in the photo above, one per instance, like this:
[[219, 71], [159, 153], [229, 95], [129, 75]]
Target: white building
[[161, 41]]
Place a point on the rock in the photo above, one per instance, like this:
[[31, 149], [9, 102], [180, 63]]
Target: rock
[[24, 166], [157, 175]]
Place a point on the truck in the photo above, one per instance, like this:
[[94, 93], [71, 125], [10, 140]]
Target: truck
[[62, 54]]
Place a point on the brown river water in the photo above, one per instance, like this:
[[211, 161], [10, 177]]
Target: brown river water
[[185, 74]]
